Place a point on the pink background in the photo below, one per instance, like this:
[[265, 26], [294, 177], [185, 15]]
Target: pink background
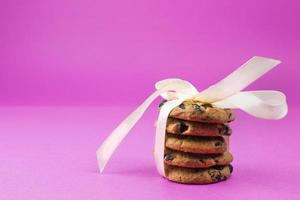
[[70, 71]]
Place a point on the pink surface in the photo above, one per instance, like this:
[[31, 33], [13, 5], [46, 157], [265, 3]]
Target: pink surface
[[49, 153], [104, 57]]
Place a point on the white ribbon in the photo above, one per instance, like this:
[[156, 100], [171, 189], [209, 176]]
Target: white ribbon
[[227, 93]]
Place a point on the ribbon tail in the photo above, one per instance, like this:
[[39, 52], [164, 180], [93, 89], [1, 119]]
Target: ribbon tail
[[262, 104], [161, 132], [177, 86], [105, 151]]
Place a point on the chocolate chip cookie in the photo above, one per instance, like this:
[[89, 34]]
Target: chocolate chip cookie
[[193, 144], [198, 176], [192, 160], [194, 110], [177, 126]]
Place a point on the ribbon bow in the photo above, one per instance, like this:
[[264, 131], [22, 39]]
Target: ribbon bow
[[266, 104]]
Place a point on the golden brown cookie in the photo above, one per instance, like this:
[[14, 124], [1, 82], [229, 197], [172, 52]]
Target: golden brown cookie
[[198, 176], [192, 160], [177, 126], [194, 110], [193, 144]]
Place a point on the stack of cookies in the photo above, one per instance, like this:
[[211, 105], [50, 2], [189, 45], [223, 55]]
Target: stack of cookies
[[196, 145]]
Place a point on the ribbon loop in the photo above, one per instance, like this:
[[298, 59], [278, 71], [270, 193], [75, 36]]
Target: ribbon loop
[[261, 104], [176, 89], [238, 80]]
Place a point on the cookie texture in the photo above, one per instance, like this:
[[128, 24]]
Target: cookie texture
[[190, 160], [204, 145], [194, 110], [196, 143], [198, 176], [177, 126]]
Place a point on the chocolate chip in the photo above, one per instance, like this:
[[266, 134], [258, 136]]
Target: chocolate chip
[[162, 103], [168, 156], [206, 105], [230, 168], [216, 175], [182, 127], [229, 116], [202, 161], [218, 143], [219, 177], [225, 130], [182, 106], [218, 167], [196, 107]]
